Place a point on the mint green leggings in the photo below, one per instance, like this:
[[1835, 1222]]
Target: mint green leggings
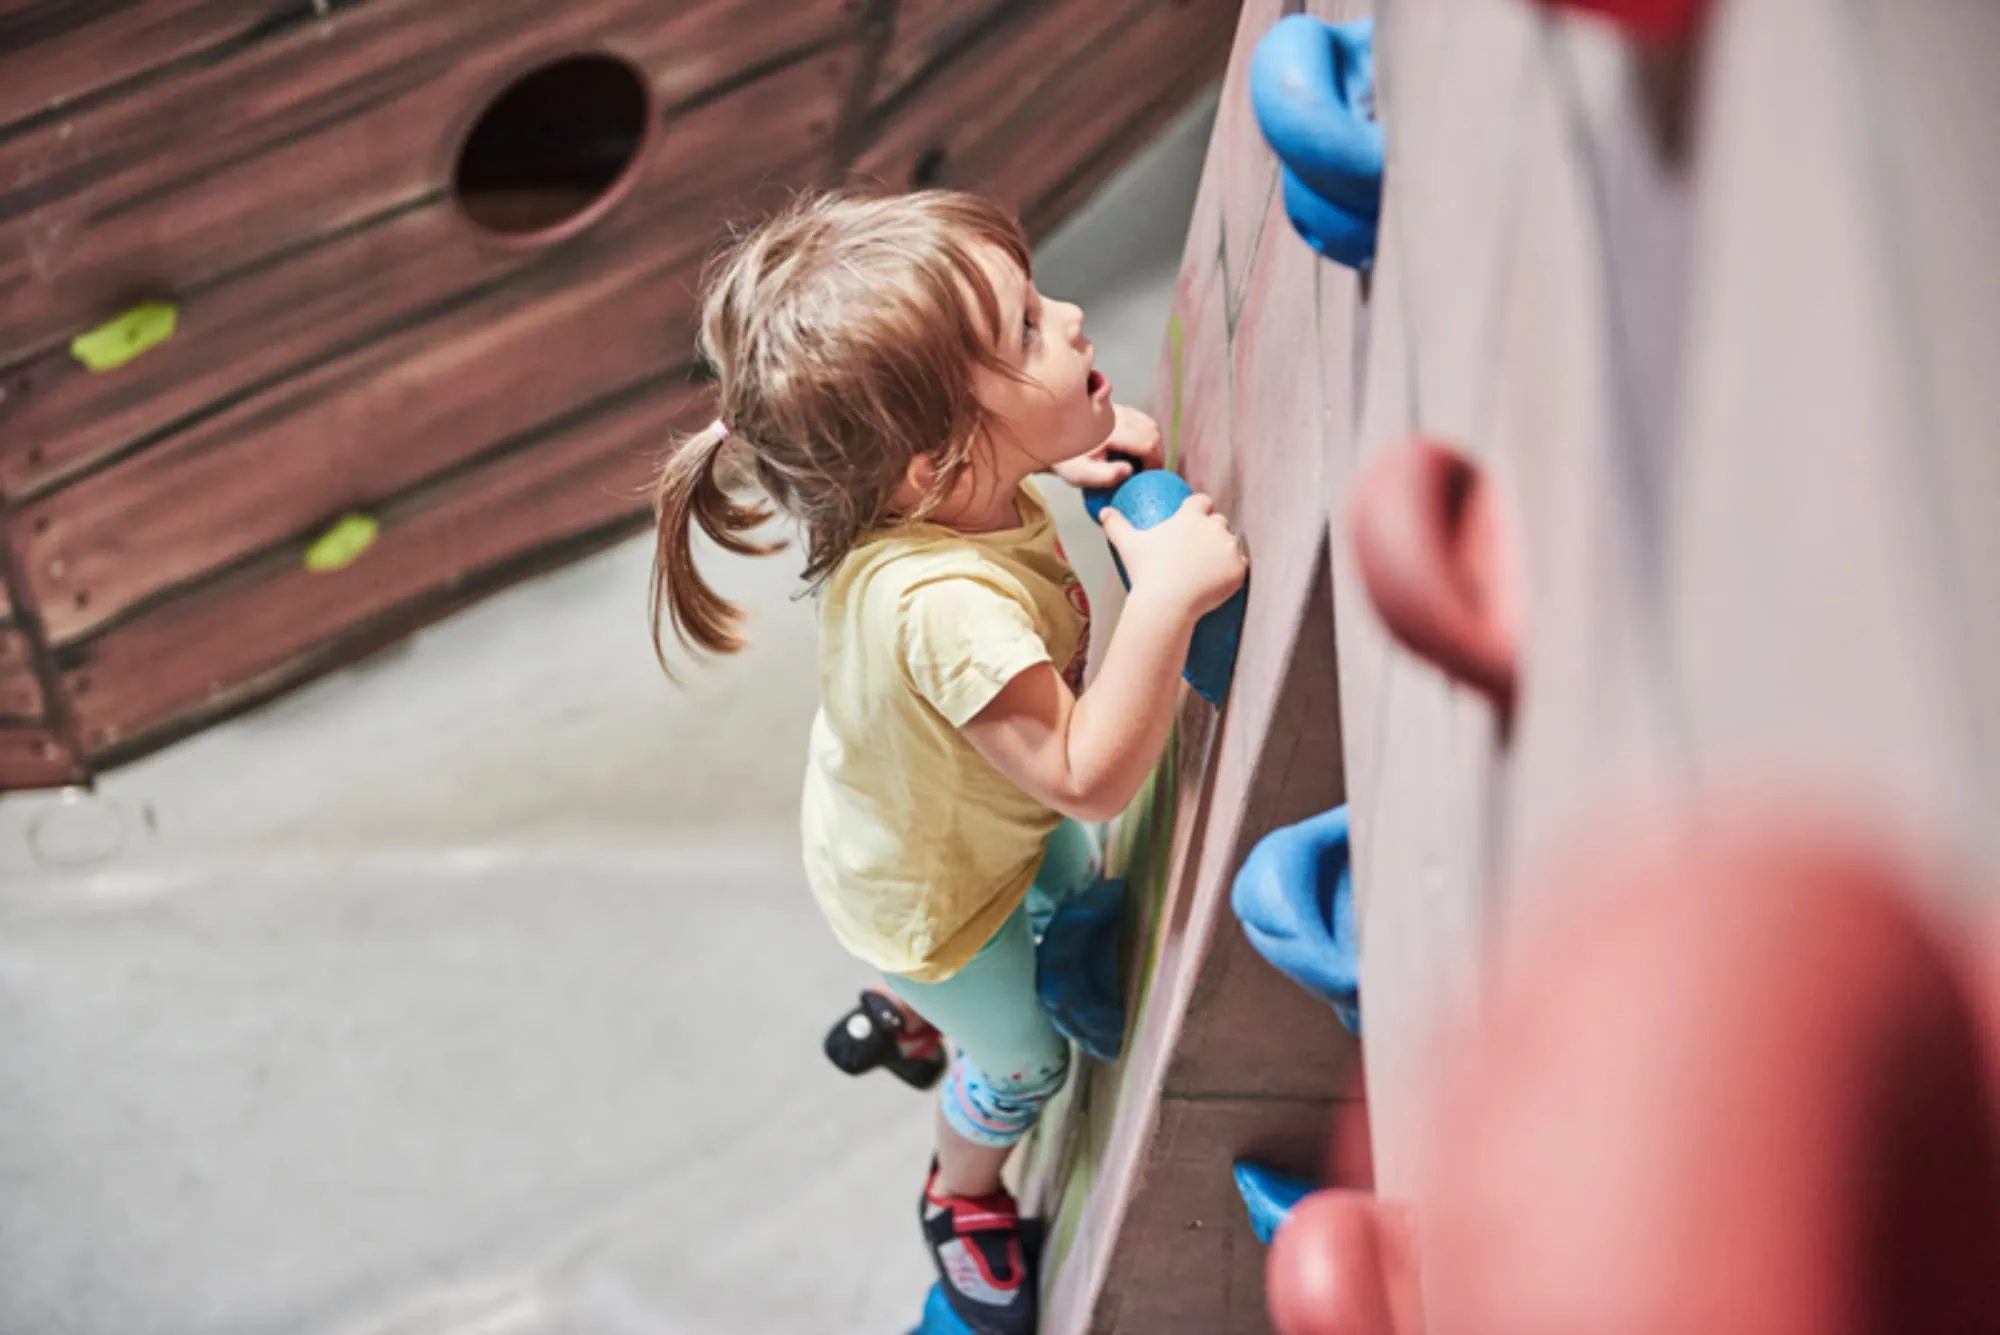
[[1008, 1059]]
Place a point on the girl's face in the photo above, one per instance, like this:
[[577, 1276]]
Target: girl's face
[[1060, 407]]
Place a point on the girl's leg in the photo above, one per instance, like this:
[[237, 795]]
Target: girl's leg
[[1010, 1061], [872, 1035]]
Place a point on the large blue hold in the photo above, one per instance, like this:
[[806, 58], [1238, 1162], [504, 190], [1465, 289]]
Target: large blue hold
[[1076, 969], [1312, 88], [1269, 1196], [1153, 497], [1295, 899]]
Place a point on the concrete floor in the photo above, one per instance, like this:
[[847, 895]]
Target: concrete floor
[[476, 989]]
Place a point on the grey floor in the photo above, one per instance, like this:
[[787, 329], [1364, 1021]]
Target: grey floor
[[476, 989]]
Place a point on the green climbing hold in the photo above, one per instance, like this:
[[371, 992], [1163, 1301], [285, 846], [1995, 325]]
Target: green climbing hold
[[342, 544], [119, 340]]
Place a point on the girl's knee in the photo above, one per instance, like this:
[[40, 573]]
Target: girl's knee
[[1000, 1109]]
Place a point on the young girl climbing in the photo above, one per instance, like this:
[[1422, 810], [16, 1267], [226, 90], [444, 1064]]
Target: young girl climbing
[[888, 376]]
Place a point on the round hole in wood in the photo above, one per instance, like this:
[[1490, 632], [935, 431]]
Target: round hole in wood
[[551, 152], [929, 169]]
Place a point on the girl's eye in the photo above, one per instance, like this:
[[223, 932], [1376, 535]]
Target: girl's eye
[[1027, 330]]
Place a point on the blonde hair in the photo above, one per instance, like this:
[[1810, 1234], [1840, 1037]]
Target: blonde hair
[[844, 335]]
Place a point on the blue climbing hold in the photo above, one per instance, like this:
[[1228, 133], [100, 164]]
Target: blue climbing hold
[[1295, 899], [1269, 1195], [1152, 497], [1076, 969], [938, 1318], [1312, 88], [1331, 231]]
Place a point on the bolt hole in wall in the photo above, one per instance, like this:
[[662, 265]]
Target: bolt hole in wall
[[929, 170], [554, 149]]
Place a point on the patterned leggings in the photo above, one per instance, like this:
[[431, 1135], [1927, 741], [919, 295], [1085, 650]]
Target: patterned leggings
[[1009, 1059]]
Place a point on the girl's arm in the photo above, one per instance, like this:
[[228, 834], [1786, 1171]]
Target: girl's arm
[[1087, 756]]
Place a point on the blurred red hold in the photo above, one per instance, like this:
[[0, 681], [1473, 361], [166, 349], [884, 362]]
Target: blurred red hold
[[1429, 542], [1732, 1074], [1652, 20], [1345, 1264]]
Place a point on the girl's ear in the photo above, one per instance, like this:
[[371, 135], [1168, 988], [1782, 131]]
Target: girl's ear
[[916, 485]]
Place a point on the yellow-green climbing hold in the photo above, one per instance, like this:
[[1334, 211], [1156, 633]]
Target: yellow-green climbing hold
[[342, 544], [122, 338]]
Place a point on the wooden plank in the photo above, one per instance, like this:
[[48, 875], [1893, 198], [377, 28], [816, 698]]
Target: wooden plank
[[988, 95], [1196, 1266], [1579, 400], [1417, 763], [1249, 1032], [1244, 167], [1042, 167], [275, 623], [349, 436], [357, 430], [1094, 1183], [316, 130], [1277, 756], [244, 333], [1826, 602], [58, 52], [20, 689], [1934, 194], [1233, 1030], [1045, 214], [1220, 1030], [31, 757], [927, 33], [1457, 80]]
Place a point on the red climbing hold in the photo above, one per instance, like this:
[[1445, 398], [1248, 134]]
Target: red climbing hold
[[1651, 20]]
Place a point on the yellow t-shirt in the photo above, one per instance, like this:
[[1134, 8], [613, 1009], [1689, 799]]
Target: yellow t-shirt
[[916, 848]]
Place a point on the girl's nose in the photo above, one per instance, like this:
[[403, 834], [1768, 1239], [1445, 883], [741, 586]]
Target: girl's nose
[[1074, 314]]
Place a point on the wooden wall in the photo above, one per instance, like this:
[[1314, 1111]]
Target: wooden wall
[[1720, 322], [1226, 1058], [1710, 319], [349, 343]]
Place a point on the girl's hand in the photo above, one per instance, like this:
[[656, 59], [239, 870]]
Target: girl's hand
[[1192, 559], [1134, 436]]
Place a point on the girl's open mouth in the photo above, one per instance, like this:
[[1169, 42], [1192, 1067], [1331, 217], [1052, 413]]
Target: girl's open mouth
[[1096, 385]]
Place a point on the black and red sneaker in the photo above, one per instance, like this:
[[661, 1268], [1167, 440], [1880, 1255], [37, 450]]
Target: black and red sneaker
[[982, 1254], [878, 1033]]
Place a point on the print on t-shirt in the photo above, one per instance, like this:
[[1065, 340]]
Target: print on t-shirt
[[1079, 602]]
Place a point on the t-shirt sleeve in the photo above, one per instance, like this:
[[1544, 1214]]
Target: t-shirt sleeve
[[962, 639]]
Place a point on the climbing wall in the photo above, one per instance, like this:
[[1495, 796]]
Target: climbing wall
[[1716, 314], [1226, 1059], [1706, 311], [417, 342]]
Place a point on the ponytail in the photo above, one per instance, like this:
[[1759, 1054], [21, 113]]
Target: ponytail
[[689, 492]]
